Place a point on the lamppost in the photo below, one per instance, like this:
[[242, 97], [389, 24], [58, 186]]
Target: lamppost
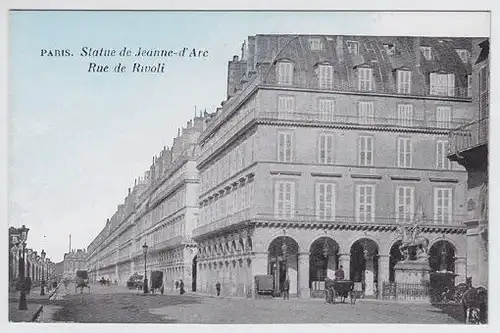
[[145, 251], [283, 250], [19, 238], [42, 290]]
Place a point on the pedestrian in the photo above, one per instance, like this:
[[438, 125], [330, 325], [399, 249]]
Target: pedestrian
[[339, 273], [28, 285], [217, 288], [286, 289], [181, 286], [162, 289], [176, 285]]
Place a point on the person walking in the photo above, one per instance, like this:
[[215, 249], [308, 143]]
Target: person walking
[[181, 286], [286, 289], [162, 289], [176, 285], [217, 288]]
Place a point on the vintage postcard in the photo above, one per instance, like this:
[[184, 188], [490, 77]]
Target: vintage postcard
[[248, 167]]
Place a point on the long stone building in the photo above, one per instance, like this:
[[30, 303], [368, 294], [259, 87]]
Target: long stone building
[[324, 146], [469, 147], [161, 211]]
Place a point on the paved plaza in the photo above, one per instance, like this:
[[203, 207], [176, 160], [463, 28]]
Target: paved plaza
[[116, 304]]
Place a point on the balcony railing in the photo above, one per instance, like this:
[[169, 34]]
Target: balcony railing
[[240, 216], [367, 121], [469, 136]]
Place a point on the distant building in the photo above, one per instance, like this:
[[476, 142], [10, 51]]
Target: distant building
[[469, 147], [161, 211], [74, 261]]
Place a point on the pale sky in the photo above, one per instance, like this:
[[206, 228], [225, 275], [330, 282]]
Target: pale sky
[[78, 140]]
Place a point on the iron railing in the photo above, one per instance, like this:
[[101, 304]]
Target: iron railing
[[405, 291], [469, 136]]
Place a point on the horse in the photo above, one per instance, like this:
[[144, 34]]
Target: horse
[[474, 304]]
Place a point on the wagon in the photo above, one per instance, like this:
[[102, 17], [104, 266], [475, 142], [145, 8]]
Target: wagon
[[82, 281], [339, 288]]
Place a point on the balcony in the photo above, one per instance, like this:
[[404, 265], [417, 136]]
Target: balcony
[[332, 119], [468, 136], [224, 222]]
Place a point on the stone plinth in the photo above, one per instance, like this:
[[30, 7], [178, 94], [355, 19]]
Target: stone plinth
[[412, 280]]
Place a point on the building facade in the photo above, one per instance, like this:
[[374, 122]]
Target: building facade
[[73, 261], [469, 147], [324, 146], [161, 211]]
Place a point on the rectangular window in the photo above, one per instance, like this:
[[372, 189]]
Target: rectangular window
[[284, 201], [286, 104], [404, 204], [366, 113], [405, 115], [285, 73], [325, 201], [442, 205], [325, 76], [352, 47], [326, 109], [365, 203], [463, 54], [426, 52], [441, 155], [365, 150], [315, 44], [284, 147], [251, 194], [404, 152], [325, 148], [443, 116], [404, 82], [365, 79], [484, 93], [442, 84]]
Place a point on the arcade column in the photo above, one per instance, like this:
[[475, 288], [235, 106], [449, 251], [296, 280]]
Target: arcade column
[[303, 269], [383, 272], [460, 269], [369, 274]]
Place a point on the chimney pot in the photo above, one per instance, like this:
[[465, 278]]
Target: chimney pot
[[235, 58]]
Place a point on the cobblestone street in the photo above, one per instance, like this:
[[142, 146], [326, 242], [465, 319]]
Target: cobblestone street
[[117, 304]]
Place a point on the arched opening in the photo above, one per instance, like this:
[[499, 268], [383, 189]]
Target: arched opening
[[194, 272], [364, 265], [394, 257], [442, 264], [323, 261], [283, 263]]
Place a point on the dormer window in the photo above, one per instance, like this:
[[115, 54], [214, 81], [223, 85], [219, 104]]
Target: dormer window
[[442, 84], [426, 52], [284, 73], [404, 81], [325, 76], [365, 79], [463, 54], [352, 47], [315, 44], [390, 49]]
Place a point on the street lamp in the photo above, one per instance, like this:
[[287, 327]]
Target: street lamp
[[145, 251], [283, 250], [19, 238], [42, 290]]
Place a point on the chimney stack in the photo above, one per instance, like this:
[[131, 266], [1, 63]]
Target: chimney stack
[[69, 243]]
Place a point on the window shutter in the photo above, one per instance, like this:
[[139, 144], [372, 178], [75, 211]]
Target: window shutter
[[451, 84]]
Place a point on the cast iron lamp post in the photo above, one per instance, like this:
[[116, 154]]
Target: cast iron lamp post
[[145, 251], [42, 290], [19, 238]]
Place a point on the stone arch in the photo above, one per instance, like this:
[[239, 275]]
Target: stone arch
[[234, 248], [442, 254], [323, 261], [241, 244], [319, 235], [359, 237], [268, 239], [459, 252], [363, 266], [283, 262], [249, 243]]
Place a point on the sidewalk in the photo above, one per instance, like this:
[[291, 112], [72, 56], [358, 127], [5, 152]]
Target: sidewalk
[[34, 302]]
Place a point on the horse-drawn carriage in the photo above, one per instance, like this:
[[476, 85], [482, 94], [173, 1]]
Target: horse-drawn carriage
[[474, 301], [82, 281], [339, 288]]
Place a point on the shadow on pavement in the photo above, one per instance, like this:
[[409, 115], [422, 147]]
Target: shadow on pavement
[[453, 310]]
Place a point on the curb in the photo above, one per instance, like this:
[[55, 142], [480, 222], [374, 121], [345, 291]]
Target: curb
[[37, 314]]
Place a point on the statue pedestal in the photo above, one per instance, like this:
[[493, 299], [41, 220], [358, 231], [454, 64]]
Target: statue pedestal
[[412, 280]]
